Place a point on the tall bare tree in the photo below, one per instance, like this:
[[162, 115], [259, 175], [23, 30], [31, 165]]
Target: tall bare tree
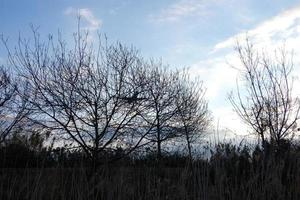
[[85, 94], [266, 102]]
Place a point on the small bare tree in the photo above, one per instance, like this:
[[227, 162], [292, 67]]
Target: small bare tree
[[266, 103], [192, 110]]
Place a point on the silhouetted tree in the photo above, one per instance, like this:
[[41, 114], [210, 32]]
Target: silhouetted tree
[[193, 116], [83, 93], [161, 93], [266, 103]]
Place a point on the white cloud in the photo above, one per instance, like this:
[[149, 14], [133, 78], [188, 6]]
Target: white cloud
[[284, 26], [93, 23], [220, 77], [184, 8], [216, 73]]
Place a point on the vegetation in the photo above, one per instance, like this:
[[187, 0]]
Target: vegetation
[[230, 173], [94, 123]]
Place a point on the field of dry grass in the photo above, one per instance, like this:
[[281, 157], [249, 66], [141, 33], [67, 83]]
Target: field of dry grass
[[228, 174]]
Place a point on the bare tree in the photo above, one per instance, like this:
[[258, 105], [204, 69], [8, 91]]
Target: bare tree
[[192, 110], [160, 94], [266, 103], [85, 94]]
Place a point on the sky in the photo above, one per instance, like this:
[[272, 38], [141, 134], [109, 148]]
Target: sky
[[198, 34]]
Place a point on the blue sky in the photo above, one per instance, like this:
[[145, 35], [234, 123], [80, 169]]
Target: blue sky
[[179, 31], [185, 33]]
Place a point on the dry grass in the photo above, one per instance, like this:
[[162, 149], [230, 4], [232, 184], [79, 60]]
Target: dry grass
[[218, 179]]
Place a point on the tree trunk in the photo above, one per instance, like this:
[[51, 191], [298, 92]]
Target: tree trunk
[[188, 143], [190, 150], [158, 138], [158, 150]]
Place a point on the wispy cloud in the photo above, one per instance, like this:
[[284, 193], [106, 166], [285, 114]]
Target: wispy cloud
[[93, 23], [183, 8], [284, 26]]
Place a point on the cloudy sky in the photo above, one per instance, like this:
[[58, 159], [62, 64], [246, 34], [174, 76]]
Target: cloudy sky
[[199, 34]]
